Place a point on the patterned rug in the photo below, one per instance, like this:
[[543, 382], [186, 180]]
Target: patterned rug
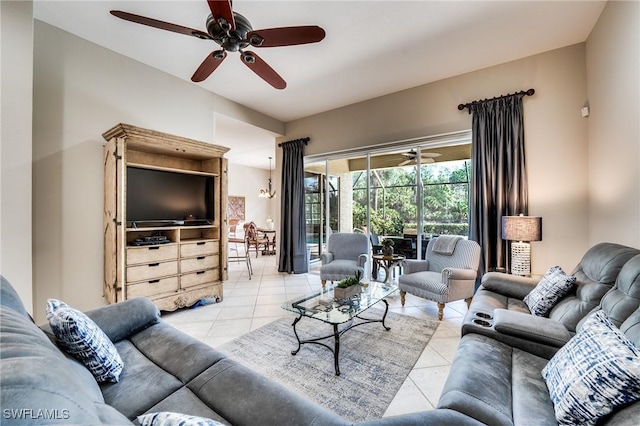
[[373, 362]]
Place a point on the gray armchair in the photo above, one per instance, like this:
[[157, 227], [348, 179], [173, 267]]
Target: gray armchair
[[448, 273], [346, 253]]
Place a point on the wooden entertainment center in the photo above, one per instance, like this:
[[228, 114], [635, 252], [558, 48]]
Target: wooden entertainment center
[[190, 263]]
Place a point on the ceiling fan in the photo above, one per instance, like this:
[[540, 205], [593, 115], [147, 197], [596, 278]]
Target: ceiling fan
[[233, 32], [425, 157]]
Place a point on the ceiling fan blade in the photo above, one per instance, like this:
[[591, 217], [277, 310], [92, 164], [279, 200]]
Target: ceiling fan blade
[[285, 36], [167, 26], [209, 65], [404, 163], [430, 154], [260, 67], [222, 9]]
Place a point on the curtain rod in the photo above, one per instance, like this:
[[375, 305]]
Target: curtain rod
[[522, 92], [303, 140]]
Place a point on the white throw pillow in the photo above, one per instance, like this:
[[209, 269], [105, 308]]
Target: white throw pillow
[[555, 284], [167, 418], [593, 373], [84, 340]]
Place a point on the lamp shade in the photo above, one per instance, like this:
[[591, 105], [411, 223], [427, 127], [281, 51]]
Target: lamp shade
[[522, 228]]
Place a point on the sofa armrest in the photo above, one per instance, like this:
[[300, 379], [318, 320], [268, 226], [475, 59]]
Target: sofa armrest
[[123, 319], [508, 285], [530, 327], [363, 259], [416, 266]]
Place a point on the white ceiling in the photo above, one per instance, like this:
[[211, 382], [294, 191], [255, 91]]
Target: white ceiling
[[372, 48]]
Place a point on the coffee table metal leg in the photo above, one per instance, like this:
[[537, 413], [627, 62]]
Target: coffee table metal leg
[[295, 321], [336, 348], [384, 317]]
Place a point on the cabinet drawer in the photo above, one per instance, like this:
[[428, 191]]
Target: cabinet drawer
[[197, 278], [153, 287], [150, 254], [151, 271], [199, 248], [198, 263]]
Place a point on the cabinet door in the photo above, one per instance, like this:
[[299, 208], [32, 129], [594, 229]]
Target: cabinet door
[[113, 216]]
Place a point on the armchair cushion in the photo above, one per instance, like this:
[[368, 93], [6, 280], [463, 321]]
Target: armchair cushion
[[416, 266], [598, 370], [346, 253], [553, 286]]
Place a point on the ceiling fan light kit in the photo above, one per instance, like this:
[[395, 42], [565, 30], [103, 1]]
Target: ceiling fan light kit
[[233, 32]]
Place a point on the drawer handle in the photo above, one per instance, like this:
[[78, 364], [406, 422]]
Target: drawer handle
[[153, 264], [154, 281], [200, 258], [201, 243], [154, 248], [200, 272]]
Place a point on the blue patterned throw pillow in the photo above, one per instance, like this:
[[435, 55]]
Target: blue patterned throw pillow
[[84, 340], [593, 373], [167, 418], [555, 284]]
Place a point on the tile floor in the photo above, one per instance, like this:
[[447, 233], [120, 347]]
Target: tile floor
[[250, 304]]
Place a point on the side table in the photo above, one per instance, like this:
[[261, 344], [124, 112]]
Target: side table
[[389, 263]]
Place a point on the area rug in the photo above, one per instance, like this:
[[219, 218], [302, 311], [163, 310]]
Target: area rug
[[373, 362]]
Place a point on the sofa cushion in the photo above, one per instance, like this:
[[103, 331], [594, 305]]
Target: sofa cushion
[[496, 384], [595, 275], [82, 338], [167, 418], [553, 286], [39, 384], [596, 371], [142, 384], [624, 298]]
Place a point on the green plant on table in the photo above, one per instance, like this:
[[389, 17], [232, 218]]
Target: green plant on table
[[348, 282]]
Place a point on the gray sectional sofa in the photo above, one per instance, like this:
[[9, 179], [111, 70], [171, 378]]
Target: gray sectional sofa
[[498, 310], [495, 377], [165, 370]]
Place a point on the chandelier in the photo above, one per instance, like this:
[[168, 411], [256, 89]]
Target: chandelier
[[268, 193]]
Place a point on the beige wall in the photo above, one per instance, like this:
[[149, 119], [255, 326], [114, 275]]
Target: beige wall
[[555, 133], [82, 90], [16, 86], [613, 81], [247, 182]]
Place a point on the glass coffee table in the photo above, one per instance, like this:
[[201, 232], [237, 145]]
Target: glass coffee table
[[343, 315]]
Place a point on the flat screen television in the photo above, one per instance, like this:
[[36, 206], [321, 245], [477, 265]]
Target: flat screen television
[[158, 197]]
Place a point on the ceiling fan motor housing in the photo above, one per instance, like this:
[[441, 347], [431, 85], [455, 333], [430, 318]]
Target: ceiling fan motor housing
[[231, 41]]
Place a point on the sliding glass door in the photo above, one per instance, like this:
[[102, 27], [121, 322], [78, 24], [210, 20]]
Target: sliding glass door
[[409, 193]]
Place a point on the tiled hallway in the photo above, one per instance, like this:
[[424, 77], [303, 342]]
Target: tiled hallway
[[250, 304]]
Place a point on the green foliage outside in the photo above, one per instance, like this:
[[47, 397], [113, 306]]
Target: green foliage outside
[[393, 199]]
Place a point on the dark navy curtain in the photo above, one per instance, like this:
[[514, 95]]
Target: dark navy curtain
[[499, 174], [293, 242]]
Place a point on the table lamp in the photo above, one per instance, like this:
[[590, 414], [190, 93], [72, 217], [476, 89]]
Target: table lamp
[[521, 230]]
